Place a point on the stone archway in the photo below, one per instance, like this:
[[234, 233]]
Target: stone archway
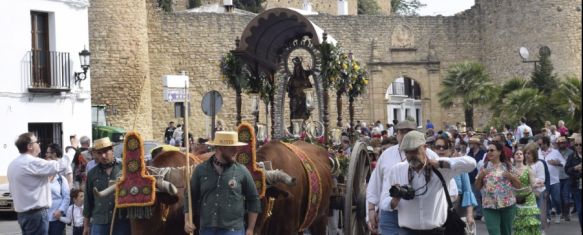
[[403, 100]]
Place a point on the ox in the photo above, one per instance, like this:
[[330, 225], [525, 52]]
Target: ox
[[291, 201]]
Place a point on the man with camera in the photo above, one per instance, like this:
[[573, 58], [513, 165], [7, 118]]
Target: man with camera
[[378, 186], [416, 191]]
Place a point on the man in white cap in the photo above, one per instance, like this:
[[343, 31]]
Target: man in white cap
[[377, 192], [222, 191], [426, 211]]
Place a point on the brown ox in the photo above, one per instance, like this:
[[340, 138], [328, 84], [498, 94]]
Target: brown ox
[[291, 201], [169, 205]]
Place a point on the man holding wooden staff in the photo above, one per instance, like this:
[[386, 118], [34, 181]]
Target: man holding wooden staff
[[222, 191]]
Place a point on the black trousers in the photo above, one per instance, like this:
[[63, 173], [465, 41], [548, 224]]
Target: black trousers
[[435, 231]]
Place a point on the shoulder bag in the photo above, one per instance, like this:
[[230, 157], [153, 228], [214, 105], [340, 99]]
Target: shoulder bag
[[454, 225]]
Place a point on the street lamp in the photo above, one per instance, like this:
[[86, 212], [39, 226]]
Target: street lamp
[[84, 57], [523, 52]]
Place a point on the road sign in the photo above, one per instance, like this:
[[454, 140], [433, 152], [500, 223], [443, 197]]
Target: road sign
[[175, 94], [212, 102]]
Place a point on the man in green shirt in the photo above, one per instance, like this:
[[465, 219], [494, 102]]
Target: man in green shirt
[[223, 190], [98, 211]]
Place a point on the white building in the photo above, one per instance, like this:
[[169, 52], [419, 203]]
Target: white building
[[403, 99], [39, 54]]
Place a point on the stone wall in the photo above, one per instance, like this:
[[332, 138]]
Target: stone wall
[[421, 48], [120, 65]]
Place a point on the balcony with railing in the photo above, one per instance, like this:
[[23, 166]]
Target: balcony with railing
[[47, 71]]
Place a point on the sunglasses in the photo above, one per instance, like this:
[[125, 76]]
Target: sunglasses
[[441, 147], [577, 145], [491, 150], [35, 142]]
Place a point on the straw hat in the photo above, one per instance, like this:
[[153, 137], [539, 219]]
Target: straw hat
[[562, 139], [102, 143], [406, 124], [226, 138], [474, 140]]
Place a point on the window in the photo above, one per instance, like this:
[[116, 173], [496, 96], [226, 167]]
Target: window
[[40, 49], [47, 133]]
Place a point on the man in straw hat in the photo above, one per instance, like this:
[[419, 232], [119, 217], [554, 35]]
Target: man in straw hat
[[426, 211], [98, 211], [222, 191], [377, 191]]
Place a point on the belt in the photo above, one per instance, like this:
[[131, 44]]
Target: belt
[[438, 229], [33, 211]]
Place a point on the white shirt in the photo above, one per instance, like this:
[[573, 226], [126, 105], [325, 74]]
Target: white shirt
[[29, 183], [539, 174], [377, 190], [552, 154], [74, 213], [518, 134], [429, 210]]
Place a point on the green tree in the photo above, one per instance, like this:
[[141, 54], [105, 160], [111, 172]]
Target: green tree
[[194, 3], [542, 77], [255, 6], [469, 82], [567, 98], [235, 76], [405, 7], [368, 7]]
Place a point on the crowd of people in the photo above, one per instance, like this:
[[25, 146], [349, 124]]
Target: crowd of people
[[519, 182]]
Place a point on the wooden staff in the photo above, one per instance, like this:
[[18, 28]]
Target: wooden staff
[[187, 144]]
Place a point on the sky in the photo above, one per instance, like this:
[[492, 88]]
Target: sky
[[444, 7]]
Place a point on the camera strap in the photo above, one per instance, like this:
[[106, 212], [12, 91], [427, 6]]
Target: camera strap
[[449, 204]]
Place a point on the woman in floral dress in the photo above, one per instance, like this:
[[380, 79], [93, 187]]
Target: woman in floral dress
[[497, 181], [526, 221]]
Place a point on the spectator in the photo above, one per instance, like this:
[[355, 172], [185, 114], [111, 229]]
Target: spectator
[[565, 151], [540, 172], [526, 221], [169, 132], [59, 193], [522, 127], [573, 168], [429, 125], [555, 162], [80, 159], [74, 215], [496, 181], [477, 153], [526, 137], [563, 130], [426, 212], [28, 183], [177, 135], [464, 207], [499, 138]]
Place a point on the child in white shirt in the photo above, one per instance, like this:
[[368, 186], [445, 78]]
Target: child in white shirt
[[74, 214]]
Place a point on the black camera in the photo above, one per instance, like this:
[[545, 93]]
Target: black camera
[[403, 192]]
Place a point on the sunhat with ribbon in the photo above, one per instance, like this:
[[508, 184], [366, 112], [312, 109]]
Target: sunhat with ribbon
[[226, 138]]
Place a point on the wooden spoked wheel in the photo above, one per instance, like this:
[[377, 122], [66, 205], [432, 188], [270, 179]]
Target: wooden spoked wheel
[[355, 199]]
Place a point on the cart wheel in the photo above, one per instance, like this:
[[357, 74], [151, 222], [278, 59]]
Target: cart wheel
[[355, 200]]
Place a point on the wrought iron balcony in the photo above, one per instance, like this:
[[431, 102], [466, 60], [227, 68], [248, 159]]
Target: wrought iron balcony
[[47, 71]]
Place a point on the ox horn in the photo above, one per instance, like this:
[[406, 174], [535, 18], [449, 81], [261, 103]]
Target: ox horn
[[278, 176], [103, 193], [166, 187]]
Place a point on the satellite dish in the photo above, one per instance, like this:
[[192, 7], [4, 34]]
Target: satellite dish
[[523, 53]]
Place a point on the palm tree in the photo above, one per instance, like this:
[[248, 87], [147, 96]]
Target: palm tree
[[568, 98], [469, 82], [236, 77], [528, 102]]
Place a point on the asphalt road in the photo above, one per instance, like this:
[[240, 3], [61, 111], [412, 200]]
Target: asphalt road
[[9, 226]]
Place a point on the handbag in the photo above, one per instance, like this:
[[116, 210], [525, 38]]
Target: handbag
[[454, 225]]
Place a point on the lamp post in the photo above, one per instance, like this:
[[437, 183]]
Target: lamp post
[[543, 51], [84, 58]]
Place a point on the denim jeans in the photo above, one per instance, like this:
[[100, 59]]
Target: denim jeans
[[555, 194], [389, 223], [221, 231], [565, 191], [56, 227], [120, 227], [34, 223], [478, 195], [577, 196]]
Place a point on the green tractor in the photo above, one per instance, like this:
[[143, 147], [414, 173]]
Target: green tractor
[[101, 129]]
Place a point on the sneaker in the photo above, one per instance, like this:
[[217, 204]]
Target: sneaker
[[558, 219]]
